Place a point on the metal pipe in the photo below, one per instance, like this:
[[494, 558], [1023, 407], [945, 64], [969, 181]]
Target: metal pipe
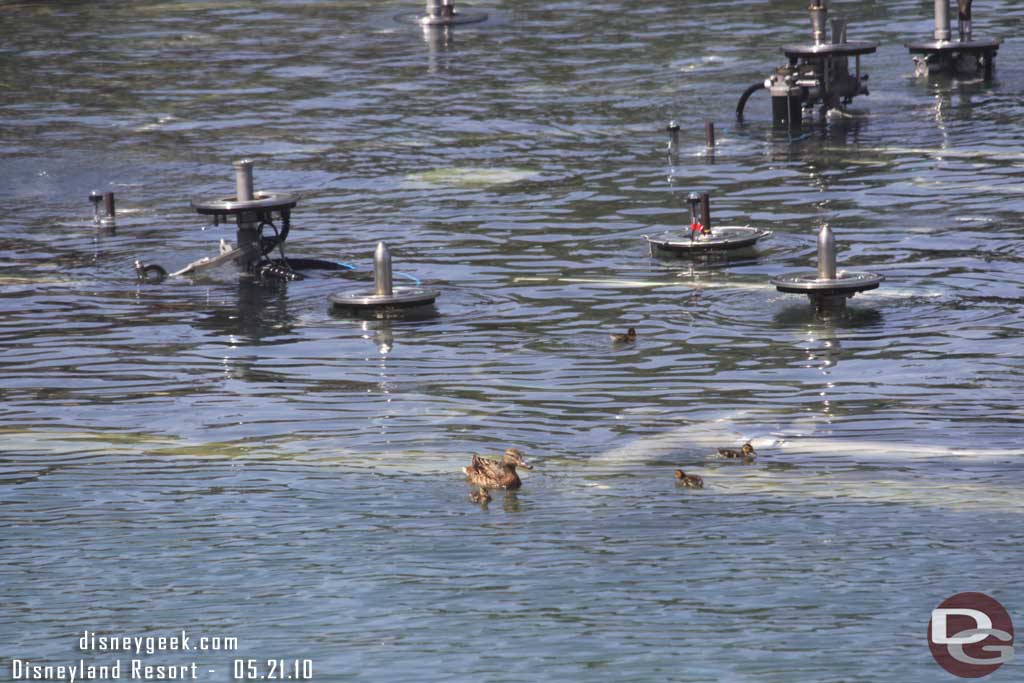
[[673, 140], [705, 211], [964, 19], [382, 280], [709, 133], [694, 200], [819, 13], [435, 8], [108, 208], [95, 197], [838, 30], [826, 254], [942, 21], [243, 180]]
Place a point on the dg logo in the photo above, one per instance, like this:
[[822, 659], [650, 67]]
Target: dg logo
[[970, 635]]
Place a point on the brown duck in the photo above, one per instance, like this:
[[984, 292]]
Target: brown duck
[[493, 474], [690, 481], [627, 338], [746, 452], [481, 495]]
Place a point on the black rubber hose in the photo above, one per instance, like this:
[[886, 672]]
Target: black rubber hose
[[741, 105]]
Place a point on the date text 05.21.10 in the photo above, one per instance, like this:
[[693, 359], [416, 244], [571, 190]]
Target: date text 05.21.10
[[272, 669]]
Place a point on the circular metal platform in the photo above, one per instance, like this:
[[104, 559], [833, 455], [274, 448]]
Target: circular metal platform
[[846, 283], [401, 298], [829, 50], [460, 17], [950, 46], [720, 239], [261, 201]]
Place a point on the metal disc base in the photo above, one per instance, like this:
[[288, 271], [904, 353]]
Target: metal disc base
[[846, 283], [829, 50], [460, 17], [720, 239], [981, 45], [402, 297], [261, 201]]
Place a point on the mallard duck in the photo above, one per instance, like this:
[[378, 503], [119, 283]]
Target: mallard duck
[[690, 481], [481, 496], [630, 336], [493, 474], [746, 452]]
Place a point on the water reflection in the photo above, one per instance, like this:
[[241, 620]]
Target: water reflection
[[840, 316], [260, 311], [439, 40]]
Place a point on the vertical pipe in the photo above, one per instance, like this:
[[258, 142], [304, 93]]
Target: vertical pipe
[[826, 254], [705, 211], [108, 208], [243, 180], [838, 30], [819, 12], [96, 198], [673, 141], [434, 8], [382, 271], [695, 217], [941, 20], [709, 134], [964, 19]]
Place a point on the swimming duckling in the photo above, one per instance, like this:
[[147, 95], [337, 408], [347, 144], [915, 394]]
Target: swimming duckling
[[746, 452], [690, 481], [493, 474], [481, 496], [627, 338]]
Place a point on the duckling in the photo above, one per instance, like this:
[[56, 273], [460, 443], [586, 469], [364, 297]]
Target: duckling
[[690, 481], [627, 338], [481, 496], [493, 474], [746, 452]]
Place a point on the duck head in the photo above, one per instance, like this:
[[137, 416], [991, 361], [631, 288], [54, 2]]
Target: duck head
[[747, 449], [514, 457], [680, 474]]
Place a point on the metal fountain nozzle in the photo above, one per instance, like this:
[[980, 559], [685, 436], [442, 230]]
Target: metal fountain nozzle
[[942, 21], [383, 283], [964, 19], [827, 287], [694, 201], [819, 13], [243, 180], [826, 253], [105, 216], [673, 141], [384, 295]]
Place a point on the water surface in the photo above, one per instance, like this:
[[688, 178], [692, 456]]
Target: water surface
[[234, 459]]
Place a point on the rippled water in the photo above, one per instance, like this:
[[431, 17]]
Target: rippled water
[[236, 460]]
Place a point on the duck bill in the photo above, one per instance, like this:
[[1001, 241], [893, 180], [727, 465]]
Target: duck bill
[[526, 465]]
